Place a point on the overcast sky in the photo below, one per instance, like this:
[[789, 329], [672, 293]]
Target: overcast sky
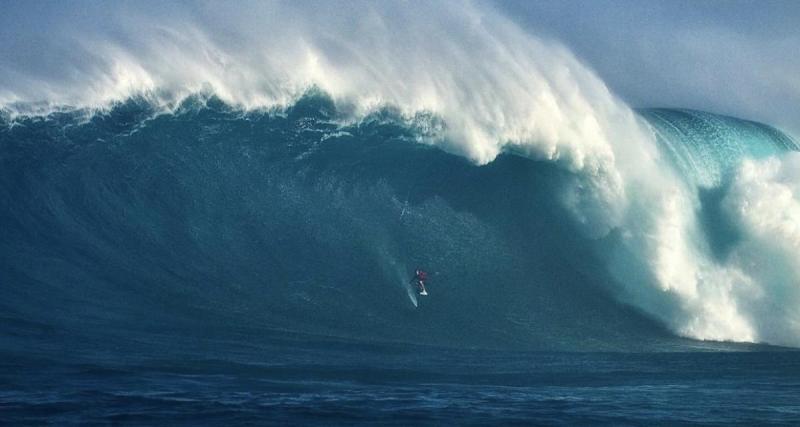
[[734, 57]]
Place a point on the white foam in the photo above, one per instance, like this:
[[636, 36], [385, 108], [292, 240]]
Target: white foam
[[764, 203]]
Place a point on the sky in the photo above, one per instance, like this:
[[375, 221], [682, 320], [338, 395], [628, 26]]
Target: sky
[[733, 57]]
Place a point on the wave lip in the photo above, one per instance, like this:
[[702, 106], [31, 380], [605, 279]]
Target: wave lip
[[708, 146]]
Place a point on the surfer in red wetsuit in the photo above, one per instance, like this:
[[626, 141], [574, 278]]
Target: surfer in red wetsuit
[[419, 278]]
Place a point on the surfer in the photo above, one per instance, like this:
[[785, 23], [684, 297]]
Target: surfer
[[419, 278]]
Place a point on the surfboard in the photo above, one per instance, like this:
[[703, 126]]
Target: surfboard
[[424, 293]]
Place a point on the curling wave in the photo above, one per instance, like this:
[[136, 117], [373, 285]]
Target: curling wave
[[173, 169]]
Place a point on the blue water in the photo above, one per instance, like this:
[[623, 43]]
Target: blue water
[[311, 381], [215, 266]]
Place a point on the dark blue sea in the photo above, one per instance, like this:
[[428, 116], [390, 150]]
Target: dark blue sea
[[303, 380], [214, 266]]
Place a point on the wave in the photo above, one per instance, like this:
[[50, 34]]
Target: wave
[[216, 216], [213, 215], [173, 178]]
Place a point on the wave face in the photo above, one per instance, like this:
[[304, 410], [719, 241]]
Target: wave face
[[213, 218]]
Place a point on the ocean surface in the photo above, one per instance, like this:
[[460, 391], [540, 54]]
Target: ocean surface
[[305, 380]]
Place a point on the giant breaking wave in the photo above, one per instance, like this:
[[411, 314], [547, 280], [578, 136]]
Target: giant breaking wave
[[176, 180]]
